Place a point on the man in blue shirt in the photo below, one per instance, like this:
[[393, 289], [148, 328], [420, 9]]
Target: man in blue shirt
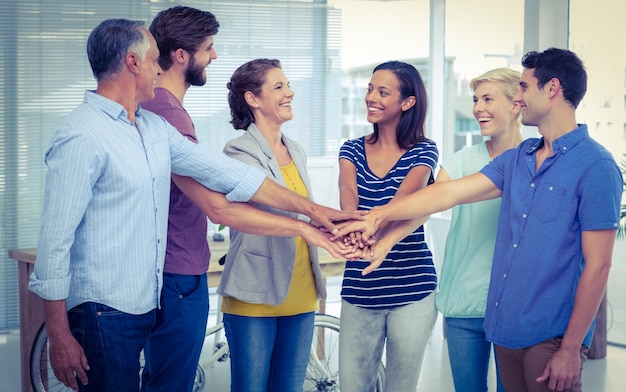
[[561, 197], [101, 247]]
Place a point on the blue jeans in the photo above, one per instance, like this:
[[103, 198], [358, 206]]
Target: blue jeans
[[404, 330], [268, 353], [175, 342], [469, 353], [112, 341]]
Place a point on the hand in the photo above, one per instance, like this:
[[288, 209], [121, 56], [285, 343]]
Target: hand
[[562, 370], [68, 361], [319, 237], [378, 253], [325, 216], [356, 240], [359, 252], [367, 225]]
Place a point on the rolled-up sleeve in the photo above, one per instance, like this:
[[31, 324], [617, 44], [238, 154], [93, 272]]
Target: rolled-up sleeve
[[238, 181], [67, 193]]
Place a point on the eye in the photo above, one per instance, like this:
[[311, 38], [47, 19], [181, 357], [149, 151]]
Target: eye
[[474, 99], [369, 90]]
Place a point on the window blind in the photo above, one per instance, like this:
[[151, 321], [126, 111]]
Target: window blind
[[44, 71]]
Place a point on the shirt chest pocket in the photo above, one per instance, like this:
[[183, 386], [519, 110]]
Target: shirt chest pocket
[[158, 155], [549, 200]]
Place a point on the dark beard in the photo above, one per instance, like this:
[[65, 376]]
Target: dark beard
[[194, 75]]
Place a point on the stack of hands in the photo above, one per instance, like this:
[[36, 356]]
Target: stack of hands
[[351, 235]]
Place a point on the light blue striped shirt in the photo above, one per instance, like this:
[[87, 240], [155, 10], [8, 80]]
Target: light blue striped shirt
[[106, 199]]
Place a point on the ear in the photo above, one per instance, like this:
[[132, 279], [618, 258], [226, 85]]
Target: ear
[[250, 99], [180, 55], [516, 108], [553, 87], [132, 62], [408, 103]]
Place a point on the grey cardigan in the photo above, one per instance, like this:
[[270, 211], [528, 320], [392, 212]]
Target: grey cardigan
[[258, 268]]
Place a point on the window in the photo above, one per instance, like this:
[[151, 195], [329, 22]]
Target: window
[[605, 68]]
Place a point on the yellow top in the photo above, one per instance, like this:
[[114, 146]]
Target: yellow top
[[302, 295]]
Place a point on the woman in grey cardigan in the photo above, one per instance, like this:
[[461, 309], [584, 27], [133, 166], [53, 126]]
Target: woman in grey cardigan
[[270, 285]]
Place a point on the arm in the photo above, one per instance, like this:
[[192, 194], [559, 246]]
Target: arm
[[434, 198], [348, 196], [72, 163], [392, 232], [66, 355], [564, 367], [250, 219], [274, 195]]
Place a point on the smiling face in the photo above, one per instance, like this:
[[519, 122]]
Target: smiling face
[[195, 74], [533, 100], [383, 98], [495, 112], [274, 103]]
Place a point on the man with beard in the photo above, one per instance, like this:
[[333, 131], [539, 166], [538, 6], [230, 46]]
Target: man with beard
[[184, 36]]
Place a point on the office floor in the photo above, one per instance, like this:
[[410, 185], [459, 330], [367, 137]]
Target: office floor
[[600, 375]]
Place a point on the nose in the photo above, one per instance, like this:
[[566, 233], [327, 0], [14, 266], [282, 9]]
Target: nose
[[213, 54], [478, 107]]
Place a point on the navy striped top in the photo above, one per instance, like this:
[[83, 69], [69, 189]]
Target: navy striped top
[[407, 274]]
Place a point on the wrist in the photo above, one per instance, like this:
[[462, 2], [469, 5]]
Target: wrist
[[380, 215], [301, 228]]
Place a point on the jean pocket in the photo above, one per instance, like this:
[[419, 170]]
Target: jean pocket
[[186, 285]]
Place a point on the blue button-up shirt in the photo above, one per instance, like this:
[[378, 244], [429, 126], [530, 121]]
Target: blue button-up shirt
[[538, 256], [106, 198]]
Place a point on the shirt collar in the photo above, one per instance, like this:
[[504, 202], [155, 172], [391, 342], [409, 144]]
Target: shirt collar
[[111, 108], [564, 143]]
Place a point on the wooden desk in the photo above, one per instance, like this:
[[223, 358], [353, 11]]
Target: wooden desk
[[31, 308]]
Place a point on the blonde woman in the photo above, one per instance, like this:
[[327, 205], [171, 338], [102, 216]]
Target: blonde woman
[[469, 248]]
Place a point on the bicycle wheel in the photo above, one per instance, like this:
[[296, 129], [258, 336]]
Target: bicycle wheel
[[41, 374], [322, 373]]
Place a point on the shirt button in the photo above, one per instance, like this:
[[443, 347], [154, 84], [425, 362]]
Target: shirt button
[[551, 188], [497, 303], [532, 184], [515, 245], [504, 276], [524, 216]]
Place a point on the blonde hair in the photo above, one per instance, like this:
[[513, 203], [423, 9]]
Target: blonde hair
[[508, 78]]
